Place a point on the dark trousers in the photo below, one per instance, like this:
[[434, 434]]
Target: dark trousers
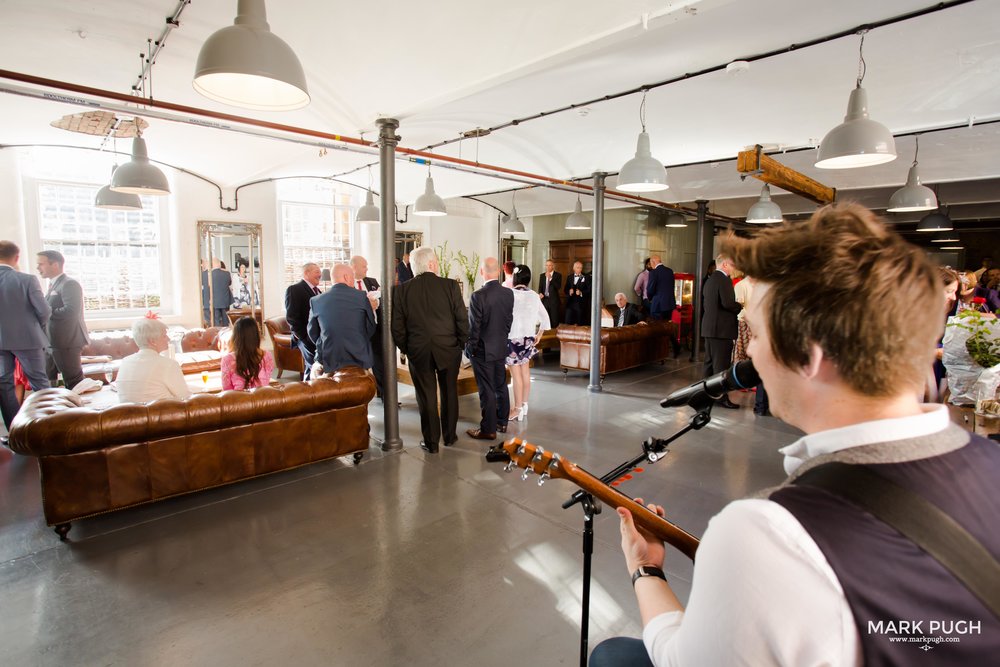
[[760, 403], [33, 365], [221, 319], [491, 377], [378, 368], [620, 652], [428, 379], [718, 355], [67, 362], [551, 305], [308, 357], [577, 311]]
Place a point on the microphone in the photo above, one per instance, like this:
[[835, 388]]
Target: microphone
[[740, 376]]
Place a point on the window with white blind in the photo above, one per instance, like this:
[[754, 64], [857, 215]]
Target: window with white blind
[[316, 224], [114, 254]]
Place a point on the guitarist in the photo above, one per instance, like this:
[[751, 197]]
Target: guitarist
[[799, 575]]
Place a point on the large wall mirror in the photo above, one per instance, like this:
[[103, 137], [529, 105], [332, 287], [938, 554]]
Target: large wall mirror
[[230, 276]]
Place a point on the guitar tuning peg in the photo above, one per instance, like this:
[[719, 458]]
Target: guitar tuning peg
[[524, 475], [541, 479], [509, 467]]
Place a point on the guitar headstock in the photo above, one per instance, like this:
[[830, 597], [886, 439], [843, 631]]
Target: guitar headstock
[[534, 459]]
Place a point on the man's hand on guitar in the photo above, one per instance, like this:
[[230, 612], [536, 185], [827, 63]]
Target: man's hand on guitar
[[639, 547]]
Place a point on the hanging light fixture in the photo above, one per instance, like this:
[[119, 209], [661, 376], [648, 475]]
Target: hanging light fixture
[[576, 219], [429, 203], [859, 141], [643, 173], [938, 221], [676, 220], [764, 210], [945, 237], [116, 201], [138, 176], [246, 65], [369, 213], [913, 196], [510, 224]]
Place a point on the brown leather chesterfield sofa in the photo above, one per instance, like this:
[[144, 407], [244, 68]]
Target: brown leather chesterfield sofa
[[621, 347], [286, 357], [93, 462], [199, 352]]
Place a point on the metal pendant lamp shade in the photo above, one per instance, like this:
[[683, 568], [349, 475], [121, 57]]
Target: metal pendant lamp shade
[[764, 210], [116, 201], [138, 176], [912, 196], [512, 224], [945, 237], [938, 221], [643, 173], [857, 142], [429, 203], [246, 65], [676, 220], [369, 212], [576, 219]]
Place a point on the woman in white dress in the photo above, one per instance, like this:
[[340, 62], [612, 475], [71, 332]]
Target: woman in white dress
[[530, 319]]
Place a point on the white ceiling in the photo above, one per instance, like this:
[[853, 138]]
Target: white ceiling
[[450, 66]]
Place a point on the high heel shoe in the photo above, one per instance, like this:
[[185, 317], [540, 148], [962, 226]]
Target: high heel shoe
[[524, 410], [516, 414]]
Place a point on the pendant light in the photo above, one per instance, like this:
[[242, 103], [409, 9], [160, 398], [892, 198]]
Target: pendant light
[[938, 221], [116, 201], [510, 224], [764, 210], [945, 237], [248, 66], [676, 220], [913, 196], [429, 203], [369, 213], [859, 141], [576, 219], [643, 173], [138, 176]]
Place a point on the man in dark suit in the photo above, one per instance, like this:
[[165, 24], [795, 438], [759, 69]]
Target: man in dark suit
[[719, 327], [578, 296], [660, 289], [67, 330], [297, 298], [491, 312], [222, 293], [341, 323], [430, 326], [624, 313], [23, 319], [363, 283], [403, 271], [549, 285]]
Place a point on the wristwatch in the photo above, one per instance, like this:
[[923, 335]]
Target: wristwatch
[[647, 571]]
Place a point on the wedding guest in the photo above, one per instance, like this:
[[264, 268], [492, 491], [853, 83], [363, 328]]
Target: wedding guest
[[147, 375], [508, 274], [530, 320], [246, 365]]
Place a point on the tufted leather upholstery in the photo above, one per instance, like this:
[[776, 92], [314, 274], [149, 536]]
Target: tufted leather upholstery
[[286, 357], [200, 340], [200, 353], [116, 347], [621, 347], [99, 461]]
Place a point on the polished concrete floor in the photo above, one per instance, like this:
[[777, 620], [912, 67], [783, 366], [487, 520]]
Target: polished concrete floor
[[407, 559]]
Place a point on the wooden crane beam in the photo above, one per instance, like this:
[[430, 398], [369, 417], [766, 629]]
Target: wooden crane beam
[[765, 168]]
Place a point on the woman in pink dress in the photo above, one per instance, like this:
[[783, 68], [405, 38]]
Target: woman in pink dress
[[246, 366]]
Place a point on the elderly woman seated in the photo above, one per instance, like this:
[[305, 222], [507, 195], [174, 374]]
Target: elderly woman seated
[[146, 375]]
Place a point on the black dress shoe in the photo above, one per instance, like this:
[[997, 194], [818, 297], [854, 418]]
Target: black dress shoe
[[428, 448], [501, 428], [726, 403], [762, 413], [476, 434]]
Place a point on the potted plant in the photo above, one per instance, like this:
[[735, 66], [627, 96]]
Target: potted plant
[[971, 347], [445, 258], [470, 267]]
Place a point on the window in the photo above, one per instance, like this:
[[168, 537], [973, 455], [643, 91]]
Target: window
[[316, 223], [114, 254]]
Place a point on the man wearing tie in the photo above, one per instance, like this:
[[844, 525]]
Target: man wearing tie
[[23, 319], [341, 323], [371, 288], [548, 288], [297, 298], [403, 270], [626, 313], [67, 329], [578, 297]]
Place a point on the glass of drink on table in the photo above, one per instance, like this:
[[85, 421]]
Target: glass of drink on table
[[204, 378]]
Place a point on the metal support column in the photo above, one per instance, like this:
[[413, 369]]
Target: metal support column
[[387, 142], [597, 284], [699, 278]]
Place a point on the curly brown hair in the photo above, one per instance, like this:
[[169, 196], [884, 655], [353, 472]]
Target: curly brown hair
[[847, 283]]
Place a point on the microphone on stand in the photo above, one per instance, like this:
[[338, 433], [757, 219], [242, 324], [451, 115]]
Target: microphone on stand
[[740, 376]]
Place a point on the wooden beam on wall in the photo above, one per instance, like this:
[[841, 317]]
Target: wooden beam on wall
[[765, 168]]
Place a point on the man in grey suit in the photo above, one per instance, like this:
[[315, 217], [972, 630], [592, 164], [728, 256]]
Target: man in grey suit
[[341, 323], [23, 318], [719, 327], [67, 330]]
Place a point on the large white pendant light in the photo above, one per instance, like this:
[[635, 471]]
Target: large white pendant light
[[643, 173], [913, 196], [369, 212], [138, 176], [938, 221], [246, 65], [116, 201], [859, 141], [576, 219], [429, 203], [764, 210]]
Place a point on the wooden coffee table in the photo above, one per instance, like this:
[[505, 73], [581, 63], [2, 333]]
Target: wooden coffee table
[[466, 379]]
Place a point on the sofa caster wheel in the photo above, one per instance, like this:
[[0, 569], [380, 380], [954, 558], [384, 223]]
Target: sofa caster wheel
[[357, 457], [565, 372], [62, 530]]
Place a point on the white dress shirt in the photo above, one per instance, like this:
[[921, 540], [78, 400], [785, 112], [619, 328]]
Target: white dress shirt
[[146, 376], [763, 593]]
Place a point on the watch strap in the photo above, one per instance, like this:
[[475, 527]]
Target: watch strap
[[648, 571]]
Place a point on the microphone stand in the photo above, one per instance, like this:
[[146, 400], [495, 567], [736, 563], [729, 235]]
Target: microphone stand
[[653, 450]]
